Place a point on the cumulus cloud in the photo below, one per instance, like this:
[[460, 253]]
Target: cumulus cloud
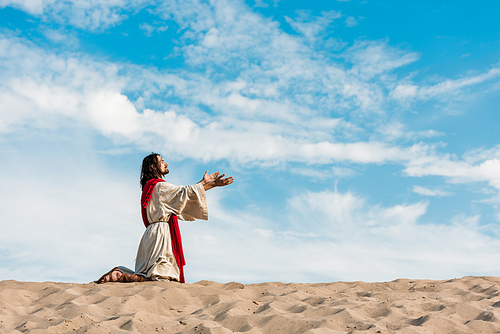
[[323, 236], [244, 129], [338, 236], [39, 85], [268, 102]]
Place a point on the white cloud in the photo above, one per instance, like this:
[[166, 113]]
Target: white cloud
[[389, 235], [272, 60], [84, 14], [46, 89], [337, 236], [278, 65], [430, 192], [87, 221], [245, 130], [34, 7], [61, 36], [450, 86], [149, 29], [335, 44], [372, 58], [482, 154], [241, 129], [310, 26], [249, 93], [272, 99], [403, 92], [112, 113], [475, 168], [351, 22], [71, 220], [456, 170], [261, 3], [323, 174], [444, 89], [396, 130]]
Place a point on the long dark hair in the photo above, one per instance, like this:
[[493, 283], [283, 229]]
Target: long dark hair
[[150, 169]]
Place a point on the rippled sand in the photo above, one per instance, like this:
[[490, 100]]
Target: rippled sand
[[465, 305]]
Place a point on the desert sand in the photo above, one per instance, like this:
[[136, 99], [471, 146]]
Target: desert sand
[[465, 305]]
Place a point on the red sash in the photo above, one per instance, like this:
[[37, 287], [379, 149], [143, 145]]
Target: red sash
[[175, 232]]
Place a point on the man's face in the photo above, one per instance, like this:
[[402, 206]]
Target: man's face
[[163, 166]]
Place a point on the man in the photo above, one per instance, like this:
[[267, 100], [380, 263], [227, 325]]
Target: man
[[160, 255]]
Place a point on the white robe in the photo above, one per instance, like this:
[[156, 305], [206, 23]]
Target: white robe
[[155, 258]]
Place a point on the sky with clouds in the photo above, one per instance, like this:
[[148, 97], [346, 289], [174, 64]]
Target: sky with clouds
[[362, 135]]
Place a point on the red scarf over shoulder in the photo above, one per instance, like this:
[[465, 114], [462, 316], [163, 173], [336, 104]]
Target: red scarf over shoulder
[[175, 232]]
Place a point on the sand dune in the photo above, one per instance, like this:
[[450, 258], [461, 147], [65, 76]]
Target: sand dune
[[465, 305]]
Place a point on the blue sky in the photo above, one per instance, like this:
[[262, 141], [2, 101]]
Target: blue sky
[[362, 136]]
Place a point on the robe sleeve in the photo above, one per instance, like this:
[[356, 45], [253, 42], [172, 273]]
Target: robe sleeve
[[186, 202]]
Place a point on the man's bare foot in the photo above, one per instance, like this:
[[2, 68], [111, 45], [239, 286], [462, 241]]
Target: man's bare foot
[[112, 276], [126, 278]]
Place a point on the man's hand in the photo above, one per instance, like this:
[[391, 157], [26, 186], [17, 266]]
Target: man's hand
[[220, 181], [215, 180], [209, 178]]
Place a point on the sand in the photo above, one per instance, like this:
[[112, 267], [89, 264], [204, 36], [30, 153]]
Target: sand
[[465, 305]]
